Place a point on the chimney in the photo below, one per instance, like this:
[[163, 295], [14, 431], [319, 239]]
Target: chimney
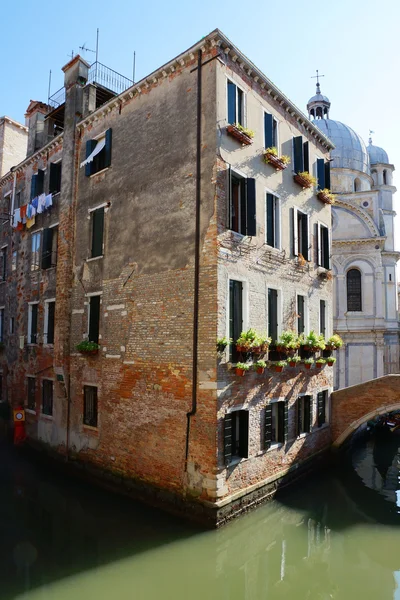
[[34, 119]]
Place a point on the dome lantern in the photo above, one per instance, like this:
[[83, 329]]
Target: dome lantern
[[318, 106]]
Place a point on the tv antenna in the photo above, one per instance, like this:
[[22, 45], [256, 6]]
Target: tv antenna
[[85, 49]]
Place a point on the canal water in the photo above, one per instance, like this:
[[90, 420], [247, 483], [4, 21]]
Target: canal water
[[333, 536]]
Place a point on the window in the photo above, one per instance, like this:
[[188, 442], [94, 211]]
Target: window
[[235, 104], [235, 315], [273, 221], [242, 204], [98, 154], [322, 407], [384, 177], [354, 290], [32, 323], [273, 314], [323, 246], [31, 396], [94, 318], [55, 178], [14, 261], [236, 435], [35, 251], [49, 250], [12, 325], [301, 158], [323, 174], [37, 184], [49, 312], [301, 314], [90, 405], [17, 201], [301, 234], [3, 264], [2, 325], [97, 232], [276, 421], [304, 414], [47, 397], [7, 203], [322, 317], [270, 131], [357, 185]]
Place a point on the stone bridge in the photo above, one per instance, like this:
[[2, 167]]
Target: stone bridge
[[353, 406]]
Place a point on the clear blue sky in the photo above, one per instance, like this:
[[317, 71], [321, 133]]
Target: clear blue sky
[[355, 43]]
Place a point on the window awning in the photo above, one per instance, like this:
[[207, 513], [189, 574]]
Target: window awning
[[98, 148]]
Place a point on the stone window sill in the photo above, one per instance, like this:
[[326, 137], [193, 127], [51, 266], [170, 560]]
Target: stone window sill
[[30, 411], [99, 172], [95, 258]]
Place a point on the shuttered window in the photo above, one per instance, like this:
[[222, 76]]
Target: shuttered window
[[301, 155], [302, 235], [270, 131], [94, 318], [304, 414], [31, 393], [322, 317], [235, 98], [322, 407], [275, 426], [32, 323], [49, 322], [323, 246], [1, 324], [102, 159], [47, 397], [242, 204], [272, 221], [55, 178], [97, 232], [35, 251], [90, 405], [236, 435], [301, 315], [235, 315], [273, 314], [49, 247], [3, 264], [354, 292]]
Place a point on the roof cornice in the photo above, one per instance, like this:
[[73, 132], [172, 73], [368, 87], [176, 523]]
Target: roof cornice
[[14, 123]]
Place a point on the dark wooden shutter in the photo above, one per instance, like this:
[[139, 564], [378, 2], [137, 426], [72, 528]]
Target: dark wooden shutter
[[322, 317], [90, 146], [299, 423], [231, 103], [281, 422], [47, 248], [50, 322], [325, 247], [40, 182], [94, 320], [55, 178], [268, 130], [268, 426], [273, 314], [298, 154], [304, 237], [97, 232], [321, 173], [293, 225], [306, 157], [34, 186], [270, 220], [321, 408], [300, 312], [243, 433], [251, 223], [229, 197], [307, 413], [34, 321], [328, 175], [235, 314], [286, 421], [107, 160], [228, 438]]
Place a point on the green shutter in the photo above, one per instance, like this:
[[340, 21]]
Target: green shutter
[[268, 130], [107, 160], [228, 438], [90, 146], [270, 220], [299, 423], [298, 154], [306, 157], [251, 223], [300, 313], [321, 173], [273, 314], [34, 186], [229, 196], [281, 422], [307, 413], [268, 426], [235, 314], [304, 235], [325, 248], [328, 175], [55, 178], [34, 320], [94, 319], [286, 421], [40, 182], [50, 322], [243, 433], [231, 91], [97, 232]]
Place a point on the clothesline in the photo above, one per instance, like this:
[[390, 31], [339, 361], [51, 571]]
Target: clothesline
[[26, 214]]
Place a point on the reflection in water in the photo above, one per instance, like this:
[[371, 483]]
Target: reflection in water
[[66, 540]]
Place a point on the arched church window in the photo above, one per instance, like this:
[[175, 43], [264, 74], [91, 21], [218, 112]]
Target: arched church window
[[384, 177], [354, 290], [357, 185]]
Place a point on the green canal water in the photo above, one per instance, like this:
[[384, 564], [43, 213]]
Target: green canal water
[[333, 536]]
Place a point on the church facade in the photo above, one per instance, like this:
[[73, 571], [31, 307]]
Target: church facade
[[364, 258]]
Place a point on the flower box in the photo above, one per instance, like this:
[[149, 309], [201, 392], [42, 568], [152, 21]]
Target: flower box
[[326, 197], [89, 352], [303, 180], [241, 136], [274, 161]]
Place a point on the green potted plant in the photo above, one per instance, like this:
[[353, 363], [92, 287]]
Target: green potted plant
[[326, 196], [259, 366], [246, 340], [330, 361], [241, 368], [222, 343], [87, 347], [278, 365], [278, 162], [308, 362], [288, 342], [260, 344], [241, 133], [313, 342], [334, 342], [320, 362], [294, 361], [305, 179]]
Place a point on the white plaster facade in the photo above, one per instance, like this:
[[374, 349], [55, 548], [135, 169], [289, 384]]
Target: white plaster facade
[[362, 239], [13, 143]]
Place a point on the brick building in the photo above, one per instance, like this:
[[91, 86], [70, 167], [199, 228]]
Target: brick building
[[13, 140], [140, 220]]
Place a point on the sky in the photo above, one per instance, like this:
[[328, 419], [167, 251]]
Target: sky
[[354, 43]]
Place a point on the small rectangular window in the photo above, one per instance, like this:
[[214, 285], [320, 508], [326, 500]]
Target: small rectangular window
[[323, 246], [322, 407], [301, 234], [49, 322], [273, 221], [273, 326], [32, 323], [301, 316], [3, 264], [304, 414], [236, 435], [275, 423], [97, 232], [17, 200], [242, 204], [47, 397], [2, 325], [49, 249], [55, 178], [90, 405], [235, 104], [31, 396], [322, 317], [301, 155], [35, 251], [94, 318], [323, 174], [98, 154], [270, 131], [235, 315]]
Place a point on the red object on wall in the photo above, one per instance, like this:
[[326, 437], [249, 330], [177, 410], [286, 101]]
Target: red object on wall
[[19, 426]]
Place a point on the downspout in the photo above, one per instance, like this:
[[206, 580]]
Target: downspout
[[193, 411]]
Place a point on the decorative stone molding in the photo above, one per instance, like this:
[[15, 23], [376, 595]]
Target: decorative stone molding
[[360, 212]]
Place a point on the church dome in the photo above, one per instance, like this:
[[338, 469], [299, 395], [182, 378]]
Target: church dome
[[377, 155], [350, 151]]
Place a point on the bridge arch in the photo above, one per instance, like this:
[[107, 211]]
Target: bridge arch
[[357, 404]]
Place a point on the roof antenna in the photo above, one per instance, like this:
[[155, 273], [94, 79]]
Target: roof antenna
[[48, 95], [134, 66]]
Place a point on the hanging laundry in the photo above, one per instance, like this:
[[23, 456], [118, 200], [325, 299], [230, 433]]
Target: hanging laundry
[[20, 226], [23, 213], [49, 201], [35, 203], [30, 222], [41, 203], [29, 211], [17, 217]]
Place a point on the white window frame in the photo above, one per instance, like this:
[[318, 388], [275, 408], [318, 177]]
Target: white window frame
[[244, 108], [278, 212], [306, 318], [46, 320], [29, 340], [277, 121], [275, 445], [312, 406], [233, 171], [36, 234], [321, 224], [245, 301], [279, 308], [296, 211]]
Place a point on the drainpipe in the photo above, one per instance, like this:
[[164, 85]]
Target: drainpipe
[[193, 411], [13, 170]]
